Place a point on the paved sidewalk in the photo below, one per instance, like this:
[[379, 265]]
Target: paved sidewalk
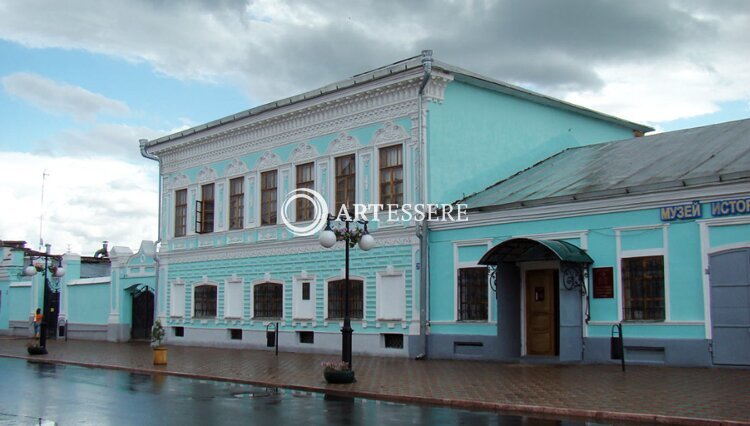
[[649, 394]]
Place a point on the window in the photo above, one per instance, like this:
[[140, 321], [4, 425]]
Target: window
[[305, 179], [235, 333], [268, 301], [205, 301], [204, 210], [305, 291], [179, 331], [393, 341], [180, 213], [307, 337], [236, 202], [643, 288], [268, 198], [336, 299], [345, 183], [391, 175], [472, 294]]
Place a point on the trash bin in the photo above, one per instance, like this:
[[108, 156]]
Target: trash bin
[[270, 339], [615, 342]]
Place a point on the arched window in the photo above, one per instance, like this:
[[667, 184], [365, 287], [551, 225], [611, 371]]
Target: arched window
[[268, 300], [204, 305], [336, 299]]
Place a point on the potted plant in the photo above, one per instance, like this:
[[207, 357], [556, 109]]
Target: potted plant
[[157, 336], [337, 372]]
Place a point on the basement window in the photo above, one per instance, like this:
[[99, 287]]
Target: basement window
[[235, 333], [179, 331], [393, 341]]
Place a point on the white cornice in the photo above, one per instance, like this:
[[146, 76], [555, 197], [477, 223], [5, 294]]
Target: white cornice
[[384, 100], [609, 205], [403, 236]]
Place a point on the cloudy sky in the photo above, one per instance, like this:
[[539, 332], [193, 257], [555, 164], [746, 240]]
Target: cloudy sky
[[81, 82]]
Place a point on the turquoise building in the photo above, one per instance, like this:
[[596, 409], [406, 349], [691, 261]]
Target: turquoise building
[[415, 132], [651, 232], [108, 296]]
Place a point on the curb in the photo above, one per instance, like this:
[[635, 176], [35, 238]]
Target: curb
[[337, 390]]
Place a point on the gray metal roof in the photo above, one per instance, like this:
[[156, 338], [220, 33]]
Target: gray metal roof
[[670, 160], [408, 64]]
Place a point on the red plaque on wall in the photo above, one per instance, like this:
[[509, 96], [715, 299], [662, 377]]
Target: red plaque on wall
[[603, 283]]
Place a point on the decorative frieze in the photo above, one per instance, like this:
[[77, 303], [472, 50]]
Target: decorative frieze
[[302, 152], [207, 174], [343, 143], [268, 160], [390, 133], [236, 167]]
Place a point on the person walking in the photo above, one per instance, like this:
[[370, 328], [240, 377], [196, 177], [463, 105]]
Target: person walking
[[37, 322]]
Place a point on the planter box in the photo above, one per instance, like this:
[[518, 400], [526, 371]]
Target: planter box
[[339, 376], [160, 356]]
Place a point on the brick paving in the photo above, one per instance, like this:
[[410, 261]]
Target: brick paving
[[649, 394]]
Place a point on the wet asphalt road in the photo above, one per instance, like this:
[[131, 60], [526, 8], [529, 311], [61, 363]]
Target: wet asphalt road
[[33, 393]]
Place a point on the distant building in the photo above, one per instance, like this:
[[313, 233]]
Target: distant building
[[653, 232], [417, 131], [108, 296]]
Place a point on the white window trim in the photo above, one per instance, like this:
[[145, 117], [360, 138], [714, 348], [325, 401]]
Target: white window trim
[[172, 311], [379, 298], [470, 264], [707, 250], [173, 211], [297, 295], [205, 282], [234, 280], [341, 278], [663, 251]]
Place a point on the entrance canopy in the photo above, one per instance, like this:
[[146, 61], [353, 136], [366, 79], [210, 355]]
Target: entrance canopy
[[527, 249]]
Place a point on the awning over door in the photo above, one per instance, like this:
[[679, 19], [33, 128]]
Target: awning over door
[[527, 249]]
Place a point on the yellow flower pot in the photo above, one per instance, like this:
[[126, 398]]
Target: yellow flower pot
[[160, 356]]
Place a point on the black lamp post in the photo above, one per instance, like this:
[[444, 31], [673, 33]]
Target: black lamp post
[[350, 237], [57, 272]]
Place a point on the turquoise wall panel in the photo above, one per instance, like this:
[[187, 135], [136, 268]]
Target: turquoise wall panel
[[323, 265], [656, 331], [685, 284], [685, 278], [4, 306], [495, 135], [471, 253], [729, 234], [642, 239], [88, 304], [19, 303], [486, 329]]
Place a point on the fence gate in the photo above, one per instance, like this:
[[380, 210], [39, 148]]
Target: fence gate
[[143, 313]]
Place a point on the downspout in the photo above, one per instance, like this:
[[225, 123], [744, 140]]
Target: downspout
[[146, 154], [422, 229]]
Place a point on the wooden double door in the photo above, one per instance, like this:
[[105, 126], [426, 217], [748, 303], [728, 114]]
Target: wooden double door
[[541, 294]]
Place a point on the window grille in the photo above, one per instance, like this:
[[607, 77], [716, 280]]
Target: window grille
[[472, 294], [268, 300], [336, 299], [643, 288], [205, 301]]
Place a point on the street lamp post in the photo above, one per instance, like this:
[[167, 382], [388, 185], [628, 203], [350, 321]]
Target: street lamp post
[[351, 237], [57, 272]]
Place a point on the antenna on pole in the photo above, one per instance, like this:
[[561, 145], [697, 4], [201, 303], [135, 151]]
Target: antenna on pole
[[41, 210]]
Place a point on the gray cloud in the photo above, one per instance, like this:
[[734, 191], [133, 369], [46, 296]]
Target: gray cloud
[[59, 98]]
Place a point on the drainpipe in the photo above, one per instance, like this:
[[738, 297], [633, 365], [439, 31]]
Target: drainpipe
[[421, 229], [146, 154]]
